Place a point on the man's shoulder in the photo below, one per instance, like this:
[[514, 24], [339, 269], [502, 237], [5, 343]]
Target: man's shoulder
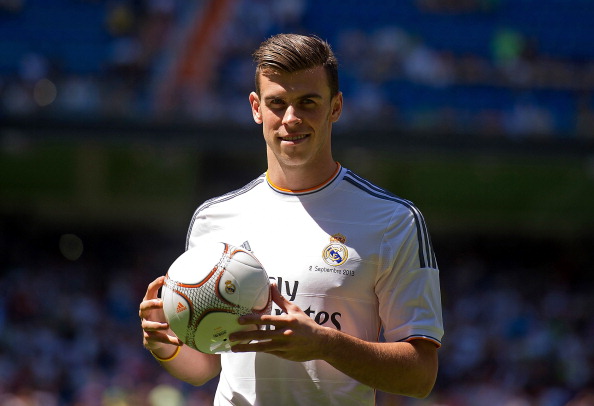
[[373, 193], [224, 207], [233, 195]]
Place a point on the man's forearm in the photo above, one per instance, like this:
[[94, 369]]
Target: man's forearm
[[406, 368], [189, 365]]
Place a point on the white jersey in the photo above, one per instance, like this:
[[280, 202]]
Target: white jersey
[[351, 255]]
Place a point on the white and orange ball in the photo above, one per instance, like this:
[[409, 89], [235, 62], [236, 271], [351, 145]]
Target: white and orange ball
[[208, 288]]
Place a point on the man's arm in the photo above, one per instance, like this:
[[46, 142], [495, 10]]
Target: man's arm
[[406, 368], [179, 360]]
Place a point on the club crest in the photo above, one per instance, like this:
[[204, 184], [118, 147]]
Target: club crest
[[229, 287], [336, 253]]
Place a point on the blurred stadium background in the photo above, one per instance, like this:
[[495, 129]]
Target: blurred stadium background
[[119, 117]]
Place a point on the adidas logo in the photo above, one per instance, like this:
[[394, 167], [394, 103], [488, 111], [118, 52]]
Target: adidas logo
[[180, 307]]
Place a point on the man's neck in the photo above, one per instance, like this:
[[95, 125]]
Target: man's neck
[[300, 178]]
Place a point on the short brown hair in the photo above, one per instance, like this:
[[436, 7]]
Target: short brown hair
[[293, 52]]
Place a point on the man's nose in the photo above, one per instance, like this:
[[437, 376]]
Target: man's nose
[[290, 117]]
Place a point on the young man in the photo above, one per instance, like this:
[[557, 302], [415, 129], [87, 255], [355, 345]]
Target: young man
[[347, 260]]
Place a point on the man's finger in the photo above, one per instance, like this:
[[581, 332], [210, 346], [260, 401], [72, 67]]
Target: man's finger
[[153, 288], [262, 346], [278, 298], [154, 325], [259, 335], [154, 336], [148, 305]]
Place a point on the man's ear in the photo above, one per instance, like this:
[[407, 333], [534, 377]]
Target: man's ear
[[256, 111], [336, 107]]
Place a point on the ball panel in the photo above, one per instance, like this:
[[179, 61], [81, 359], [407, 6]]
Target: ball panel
[[243, 280], [246, 258], [197, 264], [177, 309], [212, 334], [262, 299]]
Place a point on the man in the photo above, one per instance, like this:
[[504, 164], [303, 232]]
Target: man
[[347, 260]]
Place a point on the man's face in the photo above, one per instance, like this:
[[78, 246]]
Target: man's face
[[296, 111]]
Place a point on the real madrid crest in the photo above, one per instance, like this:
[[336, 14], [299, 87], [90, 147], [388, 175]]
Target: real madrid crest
[[229, 287], [336, 253]]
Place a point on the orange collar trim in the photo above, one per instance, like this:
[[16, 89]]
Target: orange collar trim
[[308, 190]]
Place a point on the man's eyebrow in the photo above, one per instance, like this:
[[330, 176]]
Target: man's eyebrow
[[311, 96], [304, 96]]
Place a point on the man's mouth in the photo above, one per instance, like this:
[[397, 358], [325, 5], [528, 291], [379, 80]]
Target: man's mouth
[[294, 137]]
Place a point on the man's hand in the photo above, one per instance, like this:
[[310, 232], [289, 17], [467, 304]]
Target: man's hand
[[407, 368], [154, 325], [295, 337], [190, 366]]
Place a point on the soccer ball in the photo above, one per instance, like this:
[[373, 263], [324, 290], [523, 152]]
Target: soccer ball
[[207, 288]]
